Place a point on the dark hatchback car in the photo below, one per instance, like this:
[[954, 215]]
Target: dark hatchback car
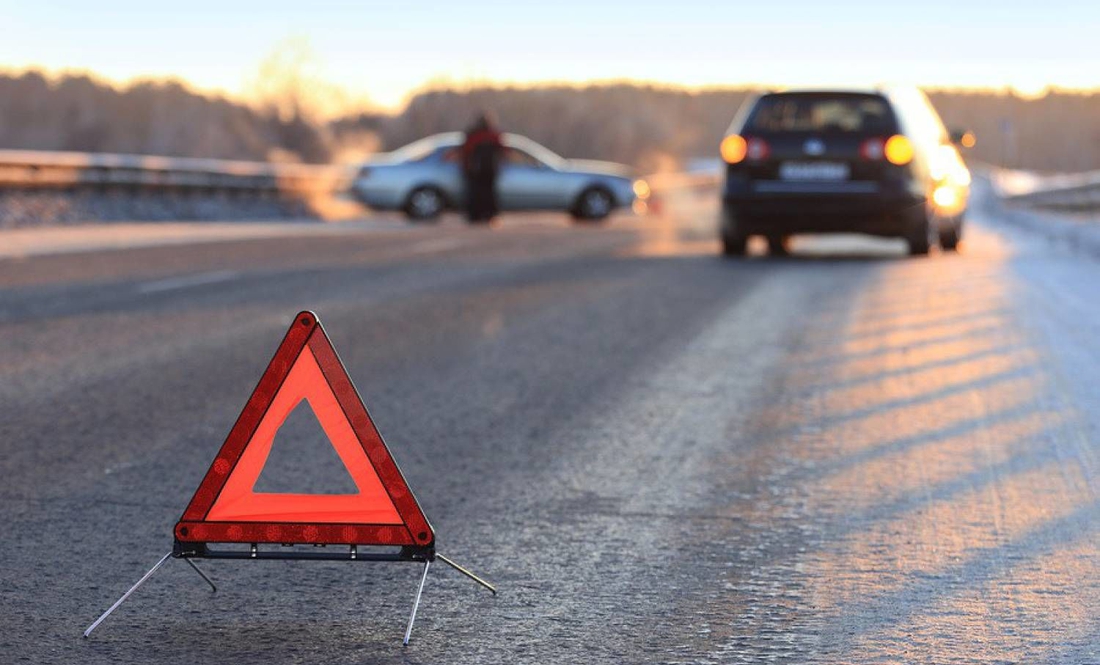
[[874, 162]]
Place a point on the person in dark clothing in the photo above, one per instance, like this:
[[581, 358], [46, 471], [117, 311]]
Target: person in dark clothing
[[481, 157]]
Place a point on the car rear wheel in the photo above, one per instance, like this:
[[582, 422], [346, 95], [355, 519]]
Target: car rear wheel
[[949, 237], [594, 203], [734, 246], [734, 243], [425, 204], [919, 238], [779, 245]]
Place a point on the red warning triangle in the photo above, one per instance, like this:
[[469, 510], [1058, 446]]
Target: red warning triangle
[[227, 509]]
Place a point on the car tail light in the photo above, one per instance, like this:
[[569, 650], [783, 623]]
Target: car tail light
[[873, 149], [757, 149], [898, 150], [733, 149]]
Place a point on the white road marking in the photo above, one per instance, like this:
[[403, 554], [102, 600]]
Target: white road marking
[[186, 280], [435, 245], [22, 243]]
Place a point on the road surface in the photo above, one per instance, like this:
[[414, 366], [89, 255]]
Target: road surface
[[658, 455]]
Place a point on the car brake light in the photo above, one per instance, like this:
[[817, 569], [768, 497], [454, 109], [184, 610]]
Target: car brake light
[[757, 149], [898, 150], [733, 149], [873, 149]]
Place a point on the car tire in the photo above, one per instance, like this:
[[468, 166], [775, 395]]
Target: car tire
[[593, 204], [734, 246], [425, 204], [779, 245], [919, 238], [949, 237], [734, 243]]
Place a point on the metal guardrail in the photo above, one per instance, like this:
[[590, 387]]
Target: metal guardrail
[[49, 169], [1077, 192], [35, 169], [32, 169]]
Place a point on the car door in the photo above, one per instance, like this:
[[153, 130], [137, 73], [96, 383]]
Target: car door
[[446, 173], [525, 182]]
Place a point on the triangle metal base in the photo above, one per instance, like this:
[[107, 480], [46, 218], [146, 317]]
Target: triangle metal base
[[203, 552]]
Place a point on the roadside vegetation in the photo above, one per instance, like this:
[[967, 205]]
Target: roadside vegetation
[[651, 127]]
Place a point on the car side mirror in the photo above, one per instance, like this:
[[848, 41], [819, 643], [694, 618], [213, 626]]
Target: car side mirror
[[963, 138]]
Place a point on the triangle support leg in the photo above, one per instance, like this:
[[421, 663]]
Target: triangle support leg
[[467, 573], [416, 603], [213, 588], [126, 595]]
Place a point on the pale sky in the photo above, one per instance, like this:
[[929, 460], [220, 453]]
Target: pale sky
[[385, 50]]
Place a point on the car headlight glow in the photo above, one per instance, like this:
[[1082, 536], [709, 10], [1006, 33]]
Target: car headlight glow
[[945, 197], [945, 165]]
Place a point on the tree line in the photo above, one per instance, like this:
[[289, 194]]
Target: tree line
[[83, 114], [650, 127]]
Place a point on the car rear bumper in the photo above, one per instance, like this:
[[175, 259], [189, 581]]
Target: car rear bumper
[[783, 208]]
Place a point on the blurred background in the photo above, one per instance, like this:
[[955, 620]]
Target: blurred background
[[638, 83], [333, 83]]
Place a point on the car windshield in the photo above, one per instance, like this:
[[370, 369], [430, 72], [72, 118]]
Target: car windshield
[[418, 150], [824, 113]]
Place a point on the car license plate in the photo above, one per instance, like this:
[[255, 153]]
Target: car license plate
[[816, 171]]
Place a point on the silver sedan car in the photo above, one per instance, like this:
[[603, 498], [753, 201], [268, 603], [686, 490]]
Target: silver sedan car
[[425, 178]]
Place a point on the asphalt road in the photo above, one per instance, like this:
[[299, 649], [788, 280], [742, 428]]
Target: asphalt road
[[658, 455]]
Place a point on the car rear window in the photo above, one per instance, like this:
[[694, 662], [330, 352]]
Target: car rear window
[[822, 113]]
